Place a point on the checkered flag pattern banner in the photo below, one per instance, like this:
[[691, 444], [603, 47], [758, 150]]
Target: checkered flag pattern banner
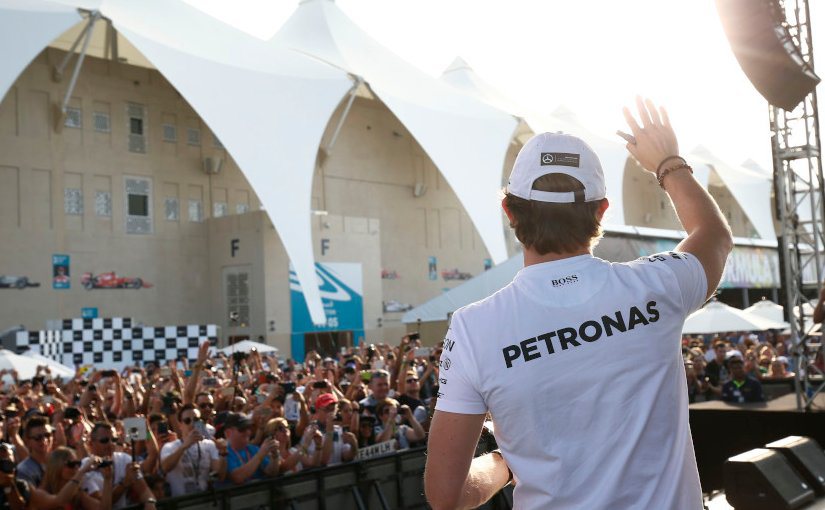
[[115, 342]]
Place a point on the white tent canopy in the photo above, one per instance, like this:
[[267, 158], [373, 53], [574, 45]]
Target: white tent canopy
[[752, 190], [716, 317], [466, 139], [26, 27], [247, 346], [767, 309], [26, 367], [288, 97], [221, 71], [478, 287], [57, 369]]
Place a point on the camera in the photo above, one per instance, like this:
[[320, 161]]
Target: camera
[[108, 373], [104, 464], [237, 357], [7, 466]]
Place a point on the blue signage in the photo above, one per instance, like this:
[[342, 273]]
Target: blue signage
[[88, 313], [340, 284]]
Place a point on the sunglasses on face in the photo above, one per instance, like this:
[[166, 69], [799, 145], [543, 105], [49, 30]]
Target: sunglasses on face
[[104, 440], [188, 420], [40, 437], [411, 380], [73, 464], [206, 405]]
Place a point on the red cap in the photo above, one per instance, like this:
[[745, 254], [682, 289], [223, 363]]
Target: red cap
[[324, 399]]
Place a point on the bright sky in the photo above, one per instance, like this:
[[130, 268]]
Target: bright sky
[[593, 56]]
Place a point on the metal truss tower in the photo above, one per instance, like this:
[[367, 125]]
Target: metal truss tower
[[798, 187]]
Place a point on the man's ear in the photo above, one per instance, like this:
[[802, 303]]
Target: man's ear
[[507, 212], [603, 205]]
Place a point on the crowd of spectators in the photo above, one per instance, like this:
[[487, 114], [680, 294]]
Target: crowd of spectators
[[114, 438], [734, 367]]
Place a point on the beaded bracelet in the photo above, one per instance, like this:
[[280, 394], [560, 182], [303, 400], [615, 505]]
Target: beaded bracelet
[[659, 168], [664, 173]]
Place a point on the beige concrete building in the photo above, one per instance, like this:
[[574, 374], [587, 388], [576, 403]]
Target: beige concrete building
[[133, 182]]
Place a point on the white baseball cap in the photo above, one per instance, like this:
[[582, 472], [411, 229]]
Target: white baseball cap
[[556, 153]]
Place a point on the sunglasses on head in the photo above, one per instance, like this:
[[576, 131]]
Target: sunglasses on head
[[40, 437], [73, 464]]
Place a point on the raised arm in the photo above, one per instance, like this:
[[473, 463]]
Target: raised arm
[[709, 237]]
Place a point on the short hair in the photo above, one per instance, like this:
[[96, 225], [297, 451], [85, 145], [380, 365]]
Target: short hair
[[379, 374], [100, 425], [202, 394], [555, 228], [155, 417], [184, 408], [35, 422]]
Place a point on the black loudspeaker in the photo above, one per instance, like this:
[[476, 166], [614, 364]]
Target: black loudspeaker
[[763, 479], [766, 51], [806, 457]]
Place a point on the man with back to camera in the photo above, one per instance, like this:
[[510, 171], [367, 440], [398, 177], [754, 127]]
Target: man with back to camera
[[616, 437]]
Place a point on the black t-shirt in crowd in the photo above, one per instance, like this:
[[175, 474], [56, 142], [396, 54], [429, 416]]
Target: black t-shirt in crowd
[[413, 403]]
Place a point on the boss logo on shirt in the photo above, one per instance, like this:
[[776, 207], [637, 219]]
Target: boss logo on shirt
[[449, 344], [573, 278], [445, 363]]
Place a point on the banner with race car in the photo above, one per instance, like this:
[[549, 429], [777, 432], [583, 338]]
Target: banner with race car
[[111, 280]]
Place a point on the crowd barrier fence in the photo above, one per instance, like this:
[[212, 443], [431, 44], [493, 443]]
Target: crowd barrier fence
[[393, 481]]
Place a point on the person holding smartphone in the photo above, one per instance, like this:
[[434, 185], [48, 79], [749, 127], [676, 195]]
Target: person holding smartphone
[[128, 479], [612, 437], [337, 446], [187, 462]]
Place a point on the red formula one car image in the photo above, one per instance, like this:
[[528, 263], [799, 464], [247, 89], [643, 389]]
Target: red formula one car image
[[111, 281]]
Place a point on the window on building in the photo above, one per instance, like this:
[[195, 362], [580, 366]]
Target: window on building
[[137, 127], [101, 121], [138, 205], [170, 133], [195, 210], [241, 208], [237, 298], [216, 142], [73, 201], [103, 204], [193, 136], [172, 208], [220, 209], [74, 118]]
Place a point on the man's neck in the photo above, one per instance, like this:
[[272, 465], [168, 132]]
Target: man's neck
[[532, 257], [40, 458]]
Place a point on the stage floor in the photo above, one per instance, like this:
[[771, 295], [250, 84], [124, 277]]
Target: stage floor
[[784, 403], [719, 502]]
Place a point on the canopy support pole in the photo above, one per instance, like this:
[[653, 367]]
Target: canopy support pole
[[86, 35], [353, 91]]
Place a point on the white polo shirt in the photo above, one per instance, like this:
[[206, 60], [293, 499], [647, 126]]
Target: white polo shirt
[[579, 362]]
